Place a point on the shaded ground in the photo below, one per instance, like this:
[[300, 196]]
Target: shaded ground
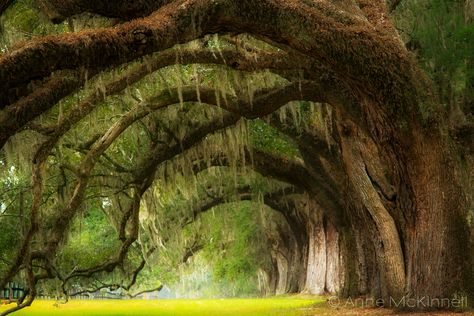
[[281, 306]]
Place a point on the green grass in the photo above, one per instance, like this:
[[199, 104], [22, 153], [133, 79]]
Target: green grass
[[284, 306]]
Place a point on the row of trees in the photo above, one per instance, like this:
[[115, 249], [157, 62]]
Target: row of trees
[[159, 111]]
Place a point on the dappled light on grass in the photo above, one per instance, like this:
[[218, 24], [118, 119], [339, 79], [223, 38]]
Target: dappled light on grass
[[175, 307]]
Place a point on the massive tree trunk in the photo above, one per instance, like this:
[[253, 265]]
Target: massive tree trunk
[[334, 260], [317, 261], [290, 248], [325, 272], [267, 280], [390, 257], [422, 219], [439, 255]]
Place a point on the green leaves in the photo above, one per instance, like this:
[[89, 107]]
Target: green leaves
[[267, 138]]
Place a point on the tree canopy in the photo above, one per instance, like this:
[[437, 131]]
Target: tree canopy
[[287, 146]]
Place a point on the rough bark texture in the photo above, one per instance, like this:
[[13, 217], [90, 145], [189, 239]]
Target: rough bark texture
[[334, 266], [390, 255], [317, 261]]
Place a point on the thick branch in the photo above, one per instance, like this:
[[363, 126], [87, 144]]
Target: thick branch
[[286, 170], [317, 30], [158, 288], [60, 85], [16, 115], [98, 49], [377, 14], [297, 174], [58, 10]]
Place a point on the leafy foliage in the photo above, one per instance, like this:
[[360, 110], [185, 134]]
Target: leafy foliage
[[441, 32], [235, 247]]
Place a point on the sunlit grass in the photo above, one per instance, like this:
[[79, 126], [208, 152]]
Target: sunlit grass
[[284, 306]]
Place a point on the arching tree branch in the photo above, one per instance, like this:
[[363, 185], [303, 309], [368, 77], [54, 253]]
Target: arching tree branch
[[58, 10], [60, 85], [16, 115]]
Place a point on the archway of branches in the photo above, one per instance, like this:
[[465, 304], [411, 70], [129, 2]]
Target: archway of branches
[[313, 108]]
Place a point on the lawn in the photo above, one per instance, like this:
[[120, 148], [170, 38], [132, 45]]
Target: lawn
[[280, 306], [285, 306]]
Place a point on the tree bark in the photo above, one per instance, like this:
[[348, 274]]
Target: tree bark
[[391, 256], [317, 261]]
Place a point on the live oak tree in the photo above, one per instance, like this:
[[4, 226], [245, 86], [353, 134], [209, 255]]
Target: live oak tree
[[379, 161]]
